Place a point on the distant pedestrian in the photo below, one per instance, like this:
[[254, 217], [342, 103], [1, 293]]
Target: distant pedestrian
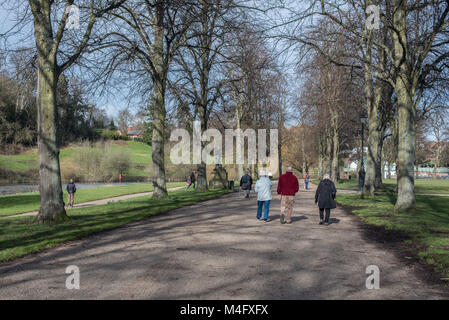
[[361, 179], [191, 180], [246, 183], [325, 198], [263, 190], [306, 181], [288, 186], [71, 189]]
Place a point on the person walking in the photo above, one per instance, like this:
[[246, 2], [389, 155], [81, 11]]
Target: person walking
[[189, 183], [306, 181], [246, 183], [325, 198], [191, 180], [71, 189], [263, 190], [361, 179], [288, 186]]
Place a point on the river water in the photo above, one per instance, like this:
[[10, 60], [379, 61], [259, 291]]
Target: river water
[[31, 188]]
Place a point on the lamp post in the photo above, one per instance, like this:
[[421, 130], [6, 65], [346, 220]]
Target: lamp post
[[363, 120]]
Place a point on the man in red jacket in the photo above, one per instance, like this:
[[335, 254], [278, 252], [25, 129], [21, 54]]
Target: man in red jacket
[[287, 187]]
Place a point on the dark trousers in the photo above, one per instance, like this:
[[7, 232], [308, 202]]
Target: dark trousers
[[328, 214]]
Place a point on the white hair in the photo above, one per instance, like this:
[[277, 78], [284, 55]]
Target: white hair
[[326, 176]]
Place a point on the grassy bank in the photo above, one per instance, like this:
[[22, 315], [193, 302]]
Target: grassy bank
[[26, 202], [428, 227], [422, 186], [27, 162], [20, 236]]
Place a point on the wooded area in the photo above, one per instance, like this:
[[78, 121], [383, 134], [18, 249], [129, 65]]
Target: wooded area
[[220, 62]]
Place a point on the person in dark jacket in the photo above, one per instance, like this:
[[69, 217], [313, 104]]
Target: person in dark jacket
[[71, 189], [246, 183], [361, 179], [325, 198], [191, 180]]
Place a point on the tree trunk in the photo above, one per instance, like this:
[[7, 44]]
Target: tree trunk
[[328, 155], [201, 167], [407, 114], [52, 204], [335, 149], [303, 151], [320, 157], [158, 142]]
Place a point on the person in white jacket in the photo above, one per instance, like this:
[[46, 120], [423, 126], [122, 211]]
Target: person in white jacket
[[263, 190]]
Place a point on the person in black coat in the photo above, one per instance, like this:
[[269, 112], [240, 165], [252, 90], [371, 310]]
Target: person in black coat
[[325, 198], [246, 183], [71, 189]]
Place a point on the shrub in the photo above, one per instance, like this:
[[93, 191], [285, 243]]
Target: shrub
[[101, 162]]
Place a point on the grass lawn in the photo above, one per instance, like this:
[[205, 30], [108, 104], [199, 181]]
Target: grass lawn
[[424, 186], [26, 202], [21, 162], [20, 235], [428, 227], [140, 154]]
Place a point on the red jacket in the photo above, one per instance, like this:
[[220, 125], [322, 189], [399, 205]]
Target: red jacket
[[288, 184]]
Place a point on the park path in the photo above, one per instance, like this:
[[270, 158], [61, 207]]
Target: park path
[[95, 202], [218, 250]]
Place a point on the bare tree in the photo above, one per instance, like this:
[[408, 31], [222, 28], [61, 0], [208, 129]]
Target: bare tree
[[52, 61]]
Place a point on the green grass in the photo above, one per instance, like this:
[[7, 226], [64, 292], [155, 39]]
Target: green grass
[[140, 154], [21, 236], [422, 186], [428, 227], [26, 202], [22, 162]]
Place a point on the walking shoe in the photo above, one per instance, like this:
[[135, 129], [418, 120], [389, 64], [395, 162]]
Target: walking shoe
[[326, 223], [282, 219], [268, 220], [321, 222]]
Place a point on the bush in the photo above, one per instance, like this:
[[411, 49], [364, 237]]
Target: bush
[[111, 135], [101, 162]]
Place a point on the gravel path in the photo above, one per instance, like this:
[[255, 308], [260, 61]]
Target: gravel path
[[218, 250]]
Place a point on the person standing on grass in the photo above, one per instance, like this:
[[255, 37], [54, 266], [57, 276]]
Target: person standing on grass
[[71, 189], [263, 190], [191, 180], [246, 183], [325, 198], [288, 186]]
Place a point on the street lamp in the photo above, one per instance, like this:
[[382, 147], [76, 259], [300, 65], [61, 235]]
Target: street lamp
[[363, 120]]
